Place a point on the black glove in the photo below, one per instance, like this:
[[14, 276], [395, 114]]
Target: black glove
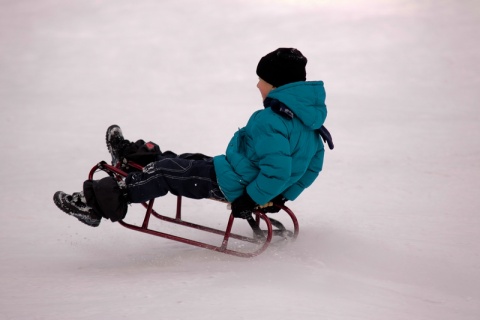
[[243, 206], [277, 201]]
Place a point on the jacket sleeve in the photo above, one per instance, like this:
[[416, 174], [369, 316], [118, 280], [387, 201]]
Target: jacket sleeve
[[316, 165], [272, 148]]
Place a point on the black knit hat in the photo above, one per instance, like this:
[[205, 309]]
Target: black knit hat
[[282, 66]]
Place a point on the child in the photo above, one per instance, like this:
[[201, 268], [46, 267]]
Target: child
[[273, 158]]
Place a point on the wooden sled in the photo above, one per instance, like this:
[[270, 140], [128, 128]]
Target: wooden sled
[[261, 238]]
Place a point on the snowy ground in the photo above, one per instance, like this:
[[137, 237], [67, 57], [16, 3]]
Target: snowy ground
[[389, 231]]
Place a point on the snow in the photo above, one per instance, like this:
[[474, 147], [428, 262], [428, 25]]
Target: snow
[[390, 230]]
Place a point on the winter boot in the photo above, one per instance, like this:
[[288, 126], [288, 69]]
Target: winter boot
[[123, 150], [76, 205], [116, 143]]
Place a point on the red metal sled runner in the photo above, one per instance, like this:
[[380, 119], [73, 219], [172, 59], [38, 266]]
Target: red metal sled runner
[[261, 238]]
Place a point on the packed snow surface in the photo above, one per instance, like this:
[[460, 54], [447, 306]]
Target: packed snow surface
[[390, 229]]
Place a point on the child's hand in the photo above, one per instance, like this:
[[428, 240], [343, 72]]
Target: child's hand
[[275, 203], [243, 206]]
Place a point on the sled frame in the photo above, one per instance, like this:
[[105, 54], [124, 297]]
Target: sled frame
[[261, 237]]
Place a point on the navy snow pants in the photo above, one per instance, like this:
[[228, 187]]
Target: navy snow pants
[[181, 176]]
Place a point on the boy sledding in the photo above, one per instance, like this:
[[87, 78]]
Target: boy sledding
[[271, 160]]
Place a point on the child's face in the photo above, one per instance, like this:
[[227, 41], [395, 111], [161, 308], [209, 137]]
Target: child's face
[[264, 88]]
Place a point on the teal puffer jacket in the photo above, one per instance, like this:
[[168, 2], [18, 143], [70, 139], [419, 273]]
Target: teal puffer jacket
[[274, 154]]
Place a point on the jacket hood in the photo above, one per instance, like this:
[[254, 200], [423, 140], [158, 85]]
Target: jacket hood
[[306, 99]]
